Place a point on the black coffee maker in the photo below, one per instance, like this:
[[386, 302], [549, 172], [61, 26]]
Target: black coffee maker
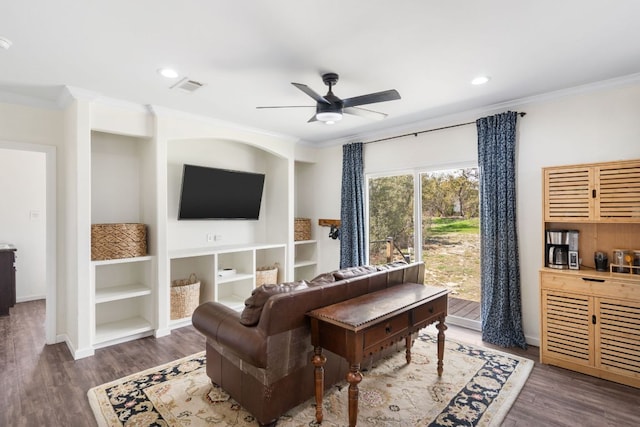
[[557, 249]]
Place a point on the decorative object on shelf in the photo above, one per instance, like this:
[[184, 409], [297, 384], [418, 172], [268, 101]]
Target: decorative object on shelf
[[267, 275], [185, 297], [621, 258], [601, 260], [121, 240], [334, 233], [302, 229], [225, 272], [625, 261]]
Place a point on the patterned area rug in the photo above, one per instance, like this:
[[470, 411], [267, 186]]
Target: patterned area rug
[[477, 388]]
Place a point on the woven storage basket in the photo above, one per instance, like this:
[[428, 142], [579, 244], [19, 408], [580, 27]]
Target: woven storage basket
[[113, 241], [267, 275], [185, 297], [302, 229]]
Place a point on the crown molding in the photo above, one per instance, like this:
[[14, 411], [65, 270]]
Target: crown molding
[[473, 114], [7, 97], [68, 94]]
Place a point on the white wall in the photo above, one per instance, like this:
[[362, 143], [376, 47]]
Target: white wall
[[584, 128], [23, 218], [217, 154], [318, 190], [115, 179], [592, 126]]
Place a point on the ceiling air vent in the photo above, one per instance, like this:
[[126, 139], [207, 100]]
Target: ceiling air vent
[[187, 85]]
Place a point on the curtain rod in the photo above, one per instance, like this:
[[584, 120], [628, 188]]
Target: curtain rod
[[521, 114]]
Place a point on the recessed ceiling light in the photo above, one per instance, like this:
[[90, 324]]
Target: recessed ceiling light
[[5, 43], [168, 73], [480, 80]]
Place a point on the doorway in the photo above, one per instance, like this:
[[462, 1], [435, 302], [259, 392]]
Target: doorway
[[431, 216], [49, 227], [451, 239]]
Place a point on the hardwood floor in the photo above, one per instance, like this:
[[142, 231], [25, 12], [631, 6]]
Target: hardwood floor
[[464, 308], [42, 385]]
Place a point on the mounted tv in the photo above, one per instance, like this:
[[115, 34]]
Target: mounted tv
[[209, 193]]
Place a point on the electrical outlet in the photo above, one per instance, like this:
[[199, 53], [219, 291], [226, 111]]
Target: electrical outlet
[[210, 237]]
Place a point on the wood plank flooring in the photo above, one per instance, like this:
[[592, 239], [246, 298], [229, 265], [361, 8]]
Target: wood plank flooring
[[42, 385], [464, 308]]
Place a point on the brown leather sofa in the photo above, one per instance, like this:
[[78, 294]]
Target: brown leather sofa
[[262, 356]]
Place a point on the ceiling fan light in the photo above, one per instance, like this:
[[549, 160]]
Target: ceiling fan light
[[480, 80], [328, 116]]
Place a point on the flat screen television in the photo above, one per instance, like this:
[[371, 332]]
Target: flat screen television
[[210, 193]]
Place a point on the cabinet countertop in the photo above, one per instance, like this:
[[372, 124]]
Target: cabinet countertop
[[7, 247], [590, 272]]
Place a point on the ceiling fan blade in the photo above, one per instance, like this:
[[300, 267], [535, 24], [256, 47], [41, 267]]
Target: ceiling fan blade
[[312, 119], [306, 89], [363, 112], [287, 106], [387, 95]]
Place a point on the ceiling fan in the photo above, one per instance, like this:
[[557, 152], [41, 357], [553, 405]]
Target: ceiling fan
[[329, 108]]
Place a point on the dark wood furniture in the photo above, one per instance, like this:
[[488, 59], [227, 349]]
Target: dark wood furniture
[[362, 326], [7, 280]]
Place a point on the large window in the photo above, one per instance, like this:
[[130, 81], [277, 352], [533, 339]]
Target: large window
[[391, 219], [451, 231], [448, 239]]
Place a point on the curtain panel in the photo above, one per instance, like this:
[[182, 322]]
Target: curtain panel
[[500, 268], [352, 227]]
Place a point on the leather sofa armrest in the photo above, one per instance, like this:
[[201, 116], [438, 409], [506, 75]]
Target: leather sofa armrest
[[222, 325]]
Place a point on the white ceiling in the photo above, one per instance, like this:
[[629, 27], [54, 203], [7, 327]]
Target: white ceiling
[[248, 52]]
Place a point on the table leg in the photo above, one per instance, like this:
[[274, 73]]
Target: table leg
[[353, 378], [441, 328], [318, 361], [408, 344]]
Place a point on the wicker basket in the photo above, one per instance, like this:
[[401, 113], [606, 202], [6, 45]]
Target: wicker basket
[[114, 241], [302, 229], [267, 275], [185, 297]]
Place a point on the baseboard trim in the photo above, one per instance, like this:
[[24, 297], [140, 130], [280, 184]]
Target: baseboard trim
[[30, 298], [474, 325], [75, 353]]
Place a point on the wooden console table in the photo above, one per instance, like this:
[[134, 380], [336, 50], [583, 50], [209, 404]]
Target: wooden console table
[[362, 326]]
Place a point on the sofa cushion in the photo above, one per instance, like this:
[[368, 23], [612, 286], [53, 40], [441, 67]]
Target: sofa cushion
[[391, 265], [323, 278], [253, 305], [347, 273]]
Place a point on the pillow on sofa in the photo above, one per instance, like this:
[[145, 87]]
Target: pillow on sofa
[[323, 278], [259, 296], [347, 273], [391, 265]]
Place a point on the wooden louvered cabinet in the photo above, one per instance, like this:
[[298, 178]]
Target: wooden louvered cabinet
[[591, 324], [599, 192]]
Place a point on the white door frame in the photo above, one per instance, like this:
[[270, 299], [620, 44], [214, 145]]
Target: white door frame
[[50, 244]]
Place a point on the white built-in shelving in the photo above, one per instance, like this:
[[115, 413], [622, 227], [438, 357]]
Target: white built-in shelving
[[122, 305], [305, 259], [230, 289]]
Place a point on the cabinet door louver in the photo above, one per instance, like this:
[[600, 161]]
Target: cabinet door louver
[[619, 335], [568, 194], [567, 326], [619, 192]]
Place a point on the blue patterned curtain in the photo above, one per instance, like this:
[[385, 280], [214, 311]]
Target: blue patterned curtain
[[352, 231], [500, 276]]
